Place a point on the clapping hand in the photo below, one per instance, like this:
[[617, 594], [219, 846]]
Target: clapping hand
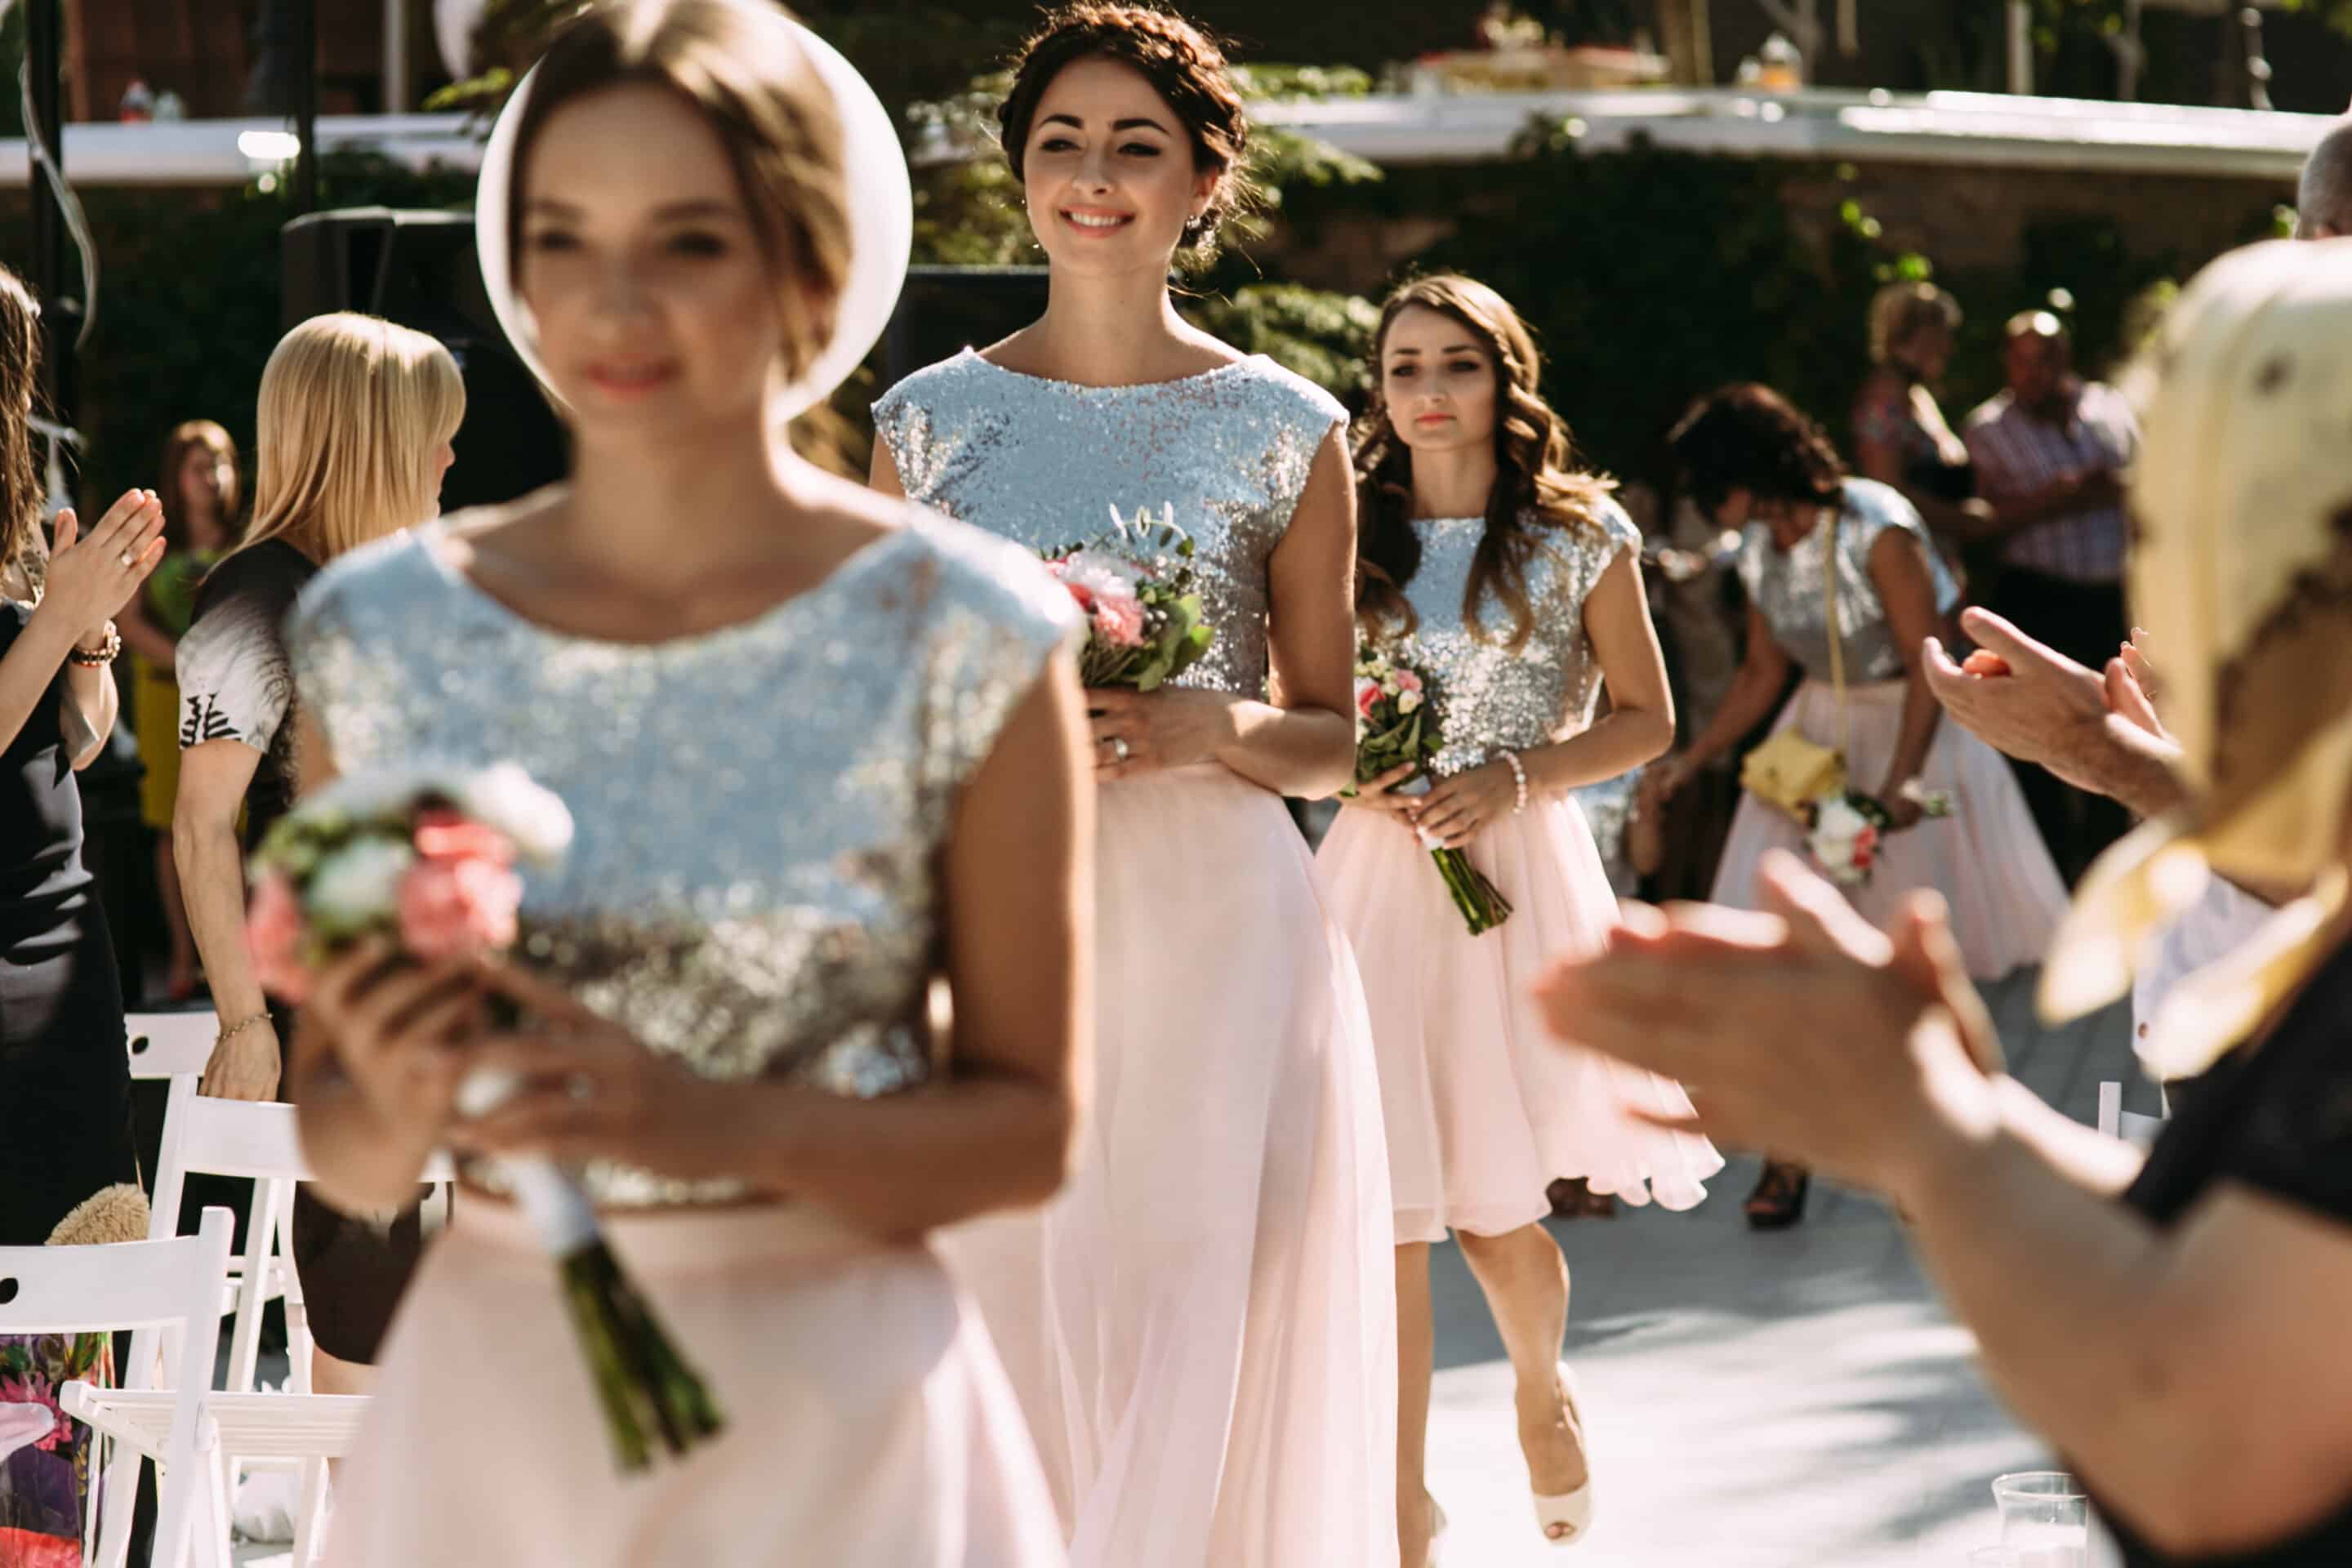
[[91, 580]]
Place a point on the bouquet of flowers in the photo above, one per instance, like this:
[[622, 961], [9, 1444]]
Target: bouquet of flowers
[[1134, 585], [1395, 724], [1844, 830], [426, 857]]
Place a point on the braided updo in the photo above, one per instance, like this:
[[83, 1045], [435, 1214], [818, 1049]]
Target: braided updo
[[1184, 66]]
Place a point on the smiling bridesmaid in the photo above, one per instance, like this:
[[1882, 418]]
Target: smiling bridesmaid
[[1202, 1329]]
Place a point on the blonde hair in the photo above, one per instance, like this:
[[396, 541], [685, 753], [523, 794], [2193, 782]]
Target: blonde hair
[[354, 413], [1900, 309]]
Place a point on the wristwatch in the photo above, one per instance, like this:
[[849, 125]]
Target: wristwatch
[[102, 656]]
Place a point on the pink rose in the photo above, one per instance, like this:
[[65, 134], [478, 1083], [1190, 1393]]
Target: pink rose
[[447, 836], [457, 908], [1407, 680], [273, 935], [1368, 696], [1120, 621]]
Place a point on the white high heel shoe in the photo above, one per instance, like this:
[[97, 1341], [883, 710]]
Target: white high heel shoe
[[1564, 1520]]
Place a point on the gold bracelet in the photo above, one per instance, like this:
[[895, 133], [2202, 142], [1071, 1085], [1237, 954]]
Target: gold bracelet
[[240, 1026]]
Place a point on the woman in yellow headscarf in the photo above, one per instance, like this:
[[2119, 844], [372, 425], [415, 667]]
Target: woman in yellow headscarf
[[2175, 1328]]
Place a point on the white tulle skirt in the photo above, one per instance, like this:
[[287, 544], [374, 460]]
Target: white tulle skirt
[[1986, 859], [1202, 1327], [1485, 1107], [869, 1423]]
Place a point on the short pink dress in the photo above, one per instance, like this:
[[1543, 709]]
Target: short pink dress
[[1485, 1107]]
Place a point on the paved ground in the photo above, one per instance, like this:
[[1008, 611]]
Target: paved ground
[[1790, 1401]]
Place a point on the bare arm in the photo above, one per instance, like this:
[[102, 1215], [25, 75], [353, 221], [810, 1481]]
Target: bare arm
[[1906, 588], [1878, 454], [214, 778], [142, 636], [1640, 723], [1754, 689]]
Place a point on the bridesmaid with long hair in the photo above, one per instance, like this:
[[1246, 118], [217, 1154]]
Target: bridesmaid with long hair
[[734, 970], [1202, 1329], [1512, 581]]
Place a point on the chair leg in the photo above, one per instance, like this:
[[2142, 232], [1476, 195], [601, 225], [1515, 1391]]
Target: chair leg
[[118, 1507], [311, 1515]]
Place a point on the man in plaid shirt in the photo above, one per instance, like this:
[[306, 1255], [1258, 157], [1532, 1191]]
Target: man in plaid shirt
[[2049, 455]]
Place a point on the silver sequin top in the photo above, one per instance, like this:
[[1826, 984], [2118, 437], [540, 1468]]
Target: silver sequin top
[[1041, 462], [1787, 585], [1489, 698], [752, 886]]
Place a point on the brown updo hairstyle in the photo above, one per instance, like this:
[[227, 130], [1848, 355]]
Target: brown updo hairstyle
[[1536, 484], [1184, 66], [770, 110], [1747, 437]]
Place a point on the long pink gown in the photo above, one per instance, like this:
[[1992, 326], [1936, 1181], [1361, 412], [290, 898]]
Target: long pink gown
[[1203, 1329]]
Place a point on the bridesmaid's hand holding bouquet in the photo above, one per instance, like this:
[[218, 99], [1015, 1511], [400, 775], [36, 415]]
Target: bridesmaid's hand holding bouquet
[[413, 871], [1396, 736]]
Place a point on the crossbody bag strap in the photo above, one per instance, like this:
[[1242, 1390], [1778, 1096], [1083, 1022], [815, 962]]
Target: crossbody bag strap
[[1837, 643]]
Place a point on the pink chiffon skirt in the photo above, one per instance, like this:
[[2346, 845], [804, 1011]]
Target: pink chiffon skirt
[[1485, 1106], [1986, 859], [1201, 1327], [869, 1423]]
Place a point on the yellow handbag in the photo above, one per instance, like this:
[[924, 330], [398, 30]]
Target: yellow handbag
[[1786, 770]]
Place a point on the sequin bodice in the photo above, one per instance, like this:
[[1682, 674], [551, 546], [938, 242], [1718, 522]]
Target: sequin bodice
[[1042, 462], [1787, 585], [752, 886], [1489, 696]]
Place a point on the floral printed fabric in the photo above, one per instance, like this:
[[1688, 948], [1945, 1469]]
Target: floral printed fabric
[[45, 1456]]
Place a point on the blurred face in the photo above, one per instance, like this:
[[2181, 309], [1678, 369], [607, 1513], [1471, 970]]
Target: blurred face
[[655, 306], [1107, 172], [1735, 510], [1439, 384], [1928, 350], [203, 485], [2037, 368]]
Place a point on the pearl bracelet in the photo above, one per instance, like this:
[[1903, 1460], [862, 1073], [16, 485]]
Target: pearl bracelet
[[1518, 773]]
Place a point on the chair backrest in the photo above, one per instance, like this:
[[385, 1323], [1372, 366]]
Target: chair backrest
[[170, 1044], [124, 1285]]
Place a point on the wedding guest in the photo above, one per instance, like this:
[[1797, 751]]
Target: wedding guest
[[1202, 1329], [199, 474], [2323, 201], [1900, 437], [353, 429], [65, 1077], [2050, 452], [1510, 582], [2088, 1280], [1843, 582], [733, 969]]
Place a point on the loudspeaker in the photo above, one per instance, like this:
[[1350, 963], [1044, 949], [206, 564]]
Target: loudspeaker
[[419, 269], [944, 308]]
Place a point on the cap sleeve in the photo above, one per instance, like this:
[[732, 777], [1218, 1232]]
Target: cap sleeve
[[996, 621], [1302, 415], [1871, 510], [235, 681]]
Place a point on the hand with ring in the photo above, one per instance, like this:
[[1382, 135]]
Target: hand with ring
[[91, 578], [1137, 733]]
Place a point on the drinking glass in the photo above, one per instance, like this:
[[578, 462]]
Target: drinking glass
[[2045, 1519]]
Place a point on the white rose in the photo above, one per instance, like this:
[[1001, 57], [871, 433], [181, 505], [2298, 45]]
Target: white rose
[[1836, 825], [1408, 702], [359, 884], [504, 797]]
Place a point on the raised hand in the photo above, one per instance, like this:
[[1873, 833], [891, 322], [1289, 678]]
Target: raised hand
[[2038, 706], [91, 579]]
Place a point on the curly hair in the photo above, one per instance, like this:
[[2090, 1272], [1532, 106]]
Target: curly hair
[[1747, 437], [1536, 484], [1184, 66], [23, 493]]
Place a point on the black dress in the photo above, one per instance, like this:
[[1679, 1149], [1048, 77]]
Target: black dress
[[2279, 1120], [236, 685], [64, 1072]]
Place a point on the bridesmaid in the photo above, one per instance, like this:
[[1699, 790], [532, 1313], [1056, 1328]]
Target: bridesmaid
[[1513, 582], [1202, 1329], [1756, 464], [736, 966]]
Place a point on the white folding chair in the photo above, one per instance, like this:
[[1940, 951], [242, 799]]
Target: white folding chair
[[263, 1142], [2118, 1122], [170, 1288], [172, 1045]]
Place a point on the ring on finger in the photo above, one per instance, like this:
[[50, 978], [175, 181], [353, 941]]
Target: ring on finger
[[1120, 750], [125, 558]]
